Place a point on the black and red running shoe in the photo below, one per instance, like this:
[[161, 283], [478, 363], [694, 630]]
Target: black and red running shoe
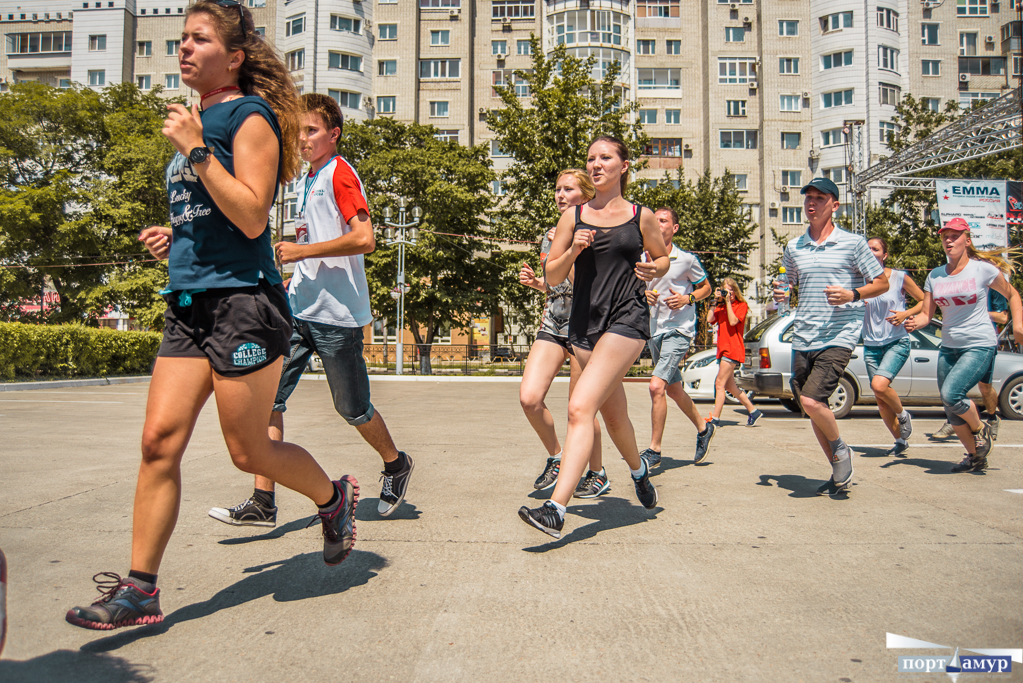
[[339, 524], [123, 604]]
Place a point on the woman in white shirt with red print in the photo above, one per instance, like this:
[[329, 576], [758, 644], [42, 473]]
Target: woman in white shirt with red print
[[968, 342]]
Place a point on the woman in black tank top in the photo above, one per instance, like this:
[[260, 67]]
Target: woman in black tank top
[[610, 320]]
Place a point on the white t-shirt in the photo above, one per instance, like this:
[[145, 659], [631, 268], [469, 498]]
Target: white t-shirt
[[332, 290], [684, 271], [963, 302], [877, 331]]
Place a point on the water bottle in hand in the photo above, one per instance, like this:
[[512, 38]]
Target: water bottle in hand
[[783, 281]]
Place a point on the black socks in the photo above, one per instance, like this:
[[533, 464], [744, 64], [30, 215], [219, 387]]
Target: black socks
[[264, 498], [334, 500], [146, 582], [395, 465]]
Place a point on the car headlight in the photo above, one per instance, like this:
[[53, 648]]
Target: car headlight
[[702, 363]]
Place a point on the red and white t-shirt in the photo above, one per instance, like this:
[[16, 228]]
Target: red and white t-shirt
[[331, 290], [963, 302]]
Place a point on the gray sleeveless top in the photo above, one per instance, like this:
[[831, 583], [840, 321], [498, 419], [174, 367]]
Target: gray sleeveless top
[[558, 306]]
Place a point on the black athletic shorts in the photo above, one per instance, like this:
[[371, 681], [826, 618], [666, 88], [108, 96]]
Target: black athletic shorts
[[238, 329], [589, 342], [816, 373], [560, 341]]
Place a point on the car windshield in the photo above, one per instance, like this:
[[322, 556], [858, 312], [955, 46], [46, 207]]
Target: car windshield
[[757, 332]]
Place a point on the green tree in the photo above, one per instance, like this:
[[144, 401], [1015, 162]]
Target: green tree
[[81, 173], [452, 272]]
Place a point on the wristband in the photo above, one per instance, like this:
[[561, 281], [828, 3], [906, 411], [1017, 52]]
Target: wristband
[[856, 295], [692, 298]]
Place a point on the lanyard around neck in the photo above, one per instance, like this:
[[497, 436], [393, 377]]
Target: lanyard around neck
[[311, 180]]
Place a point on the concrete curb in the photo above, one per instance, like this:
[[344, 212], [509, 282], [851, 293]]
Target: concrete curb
[[65, 383]]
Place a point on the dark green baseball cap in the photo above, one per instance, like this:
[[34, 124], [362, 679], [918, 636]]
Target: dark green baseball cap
[[822, 184]]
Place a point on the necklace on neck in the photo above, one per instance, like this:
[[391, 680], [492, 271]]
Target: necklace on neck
[[211, 93]]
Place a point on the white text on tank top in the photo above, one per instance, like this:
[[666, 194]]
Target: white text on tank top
[[332, 290], [876, 330]]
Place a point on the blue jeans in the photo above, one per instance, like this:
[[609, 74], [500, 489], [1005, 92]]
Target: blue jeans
[[887, 359], [340, 349], [959, 370], [668, 350]]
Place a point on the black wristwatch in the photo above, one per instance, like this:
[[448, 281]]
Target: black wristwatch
[[856, 295], [200, 155]]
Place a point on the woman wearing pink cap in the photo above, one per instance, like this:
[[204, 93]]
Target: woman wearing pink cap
[[968, 342]]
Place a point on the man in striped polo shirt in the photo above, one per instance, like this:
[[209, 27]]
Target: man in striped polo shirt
[[834, 270]]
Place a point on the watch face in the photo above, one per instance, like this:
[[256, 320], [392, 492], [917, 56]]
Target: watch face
[[198, 155]]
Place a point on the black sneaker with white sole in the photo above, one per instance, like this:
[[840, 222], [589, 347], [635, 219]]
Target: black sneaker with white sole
[[395, 486], [830, 488], [246, 513], [754, 418], [898, 449], [645, 491], [651, 457], [549, 476], [970, 463], [546, 518], [339, 523], [592, 485], [703, 442]]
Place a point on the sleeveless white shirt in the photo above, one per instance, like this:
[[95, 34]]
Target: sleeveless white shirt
[[876, 330]]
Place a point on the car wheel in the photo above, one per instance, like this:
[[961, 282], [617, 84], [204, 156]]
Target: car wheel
[[842, 400], [1011, 400], [791, 404]]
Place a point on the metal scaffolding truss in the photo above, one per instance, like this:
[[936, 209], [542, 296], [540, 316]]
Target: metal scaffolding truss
[[994, 127]]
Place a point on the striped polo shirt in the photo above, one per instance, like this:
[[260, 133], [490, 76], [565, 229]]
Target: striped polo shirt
[[842, 259]]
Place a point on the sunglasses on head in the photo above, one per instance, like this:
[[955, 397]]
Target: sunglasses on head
[[241, 11]]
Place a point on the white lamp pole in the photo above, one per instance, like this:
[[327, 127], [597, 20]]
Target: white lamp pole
[[396, 233]]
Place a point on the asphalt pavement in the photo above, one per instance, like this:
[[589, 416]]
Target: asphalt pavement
[[741, 573]]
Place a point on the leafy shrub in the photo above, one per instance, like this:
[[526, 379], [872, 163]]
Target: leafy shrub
[[29, 351]]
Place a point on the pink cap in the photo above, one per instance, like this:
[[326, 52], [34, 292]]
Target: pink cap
[[957, 224]]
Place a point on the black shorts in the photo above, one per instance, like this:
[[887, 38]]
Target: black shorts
[[589, 342], [560, 341], [815, 374], [238, 329]]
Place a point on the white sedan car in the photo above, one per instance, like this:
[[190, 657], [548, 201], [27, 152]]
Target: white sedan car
[[698, 374]]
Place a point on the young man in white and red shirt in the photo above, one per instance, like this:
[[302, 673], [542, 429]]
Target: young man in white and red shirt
[[329, 298]]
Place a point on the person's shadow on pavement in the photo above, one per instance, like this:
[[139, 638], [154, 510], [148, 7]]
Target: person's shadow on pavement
[[82, 667], [279, 579], [609, 513], [800, 486]]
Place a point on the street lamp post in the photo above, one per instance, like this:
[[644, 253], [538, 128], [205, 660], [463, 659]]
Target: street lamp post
[[401, 233]]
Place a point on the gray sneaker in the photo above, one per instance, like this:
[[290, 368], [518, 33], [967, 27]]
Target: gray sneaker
[[982, 440], [549, 476], [994, 423], [703, 442], [898, 449], [905, 427], [652, 458], [945, 432], [592, 485]]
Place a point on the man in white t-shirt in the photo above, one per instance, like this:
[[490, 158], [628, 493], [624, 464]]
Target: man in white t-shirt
[[329, 297], [672, 300]]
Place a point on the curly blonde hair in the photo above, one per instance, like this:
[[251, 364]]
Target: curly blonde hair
[[262, 73]]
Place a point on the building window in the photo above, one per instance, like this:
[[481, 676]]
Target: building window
[[172, 47], [673, 116], [932, 103], [673, 47], [726, 2], [496, 151], [500, 189], [788, 27], [741, 182], [64, 84], [735, 34], [889, 94], [171, 81], [144, 49], [513, 9], [646, 47], [791, 215], [261, 30], [295, 60], [440, 38], [29, 43], [833, 137], [378, 333], [888, 129], [387, 67], [439, 4], [836, 59], [438, 109], [836, 21], [256, 3], [294, 25], [791, 178], [339, 60], [887, 58], [352, 100], [647, 116], [836, 174], [967, 44], [98, 43], [439, 68], [971, 8], [788, 65], [982, 66], [888, 18], [931, 67], [968, 99], [738, 139], [736, 70], [929, 34], [664, 147], [791, 102], [387, 31], [502, 77], [584, 26], [735, 107], [385, 105], [291, 208], [1017, 65], [524, 47], [97, 78], [791, 140], [446, 136], [345, 24], [657, 8], [144, 82], [656, 79], [499, 47], [841, 98]]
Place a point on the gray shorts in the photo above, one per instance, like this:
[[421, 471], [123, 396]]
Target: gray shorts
[[668, 350]]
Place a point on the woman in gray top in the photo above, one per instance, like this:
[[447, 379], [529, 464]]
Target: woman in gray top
[[551, 348]]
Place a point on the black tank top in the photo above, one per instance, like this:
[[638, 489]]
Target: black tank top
[[606, 291]]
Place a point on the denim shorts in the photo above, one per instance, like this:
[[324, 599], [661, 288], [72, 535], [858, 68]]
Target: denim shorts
[[886, 359], [959, 370], [668, 350], [340, 349]]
